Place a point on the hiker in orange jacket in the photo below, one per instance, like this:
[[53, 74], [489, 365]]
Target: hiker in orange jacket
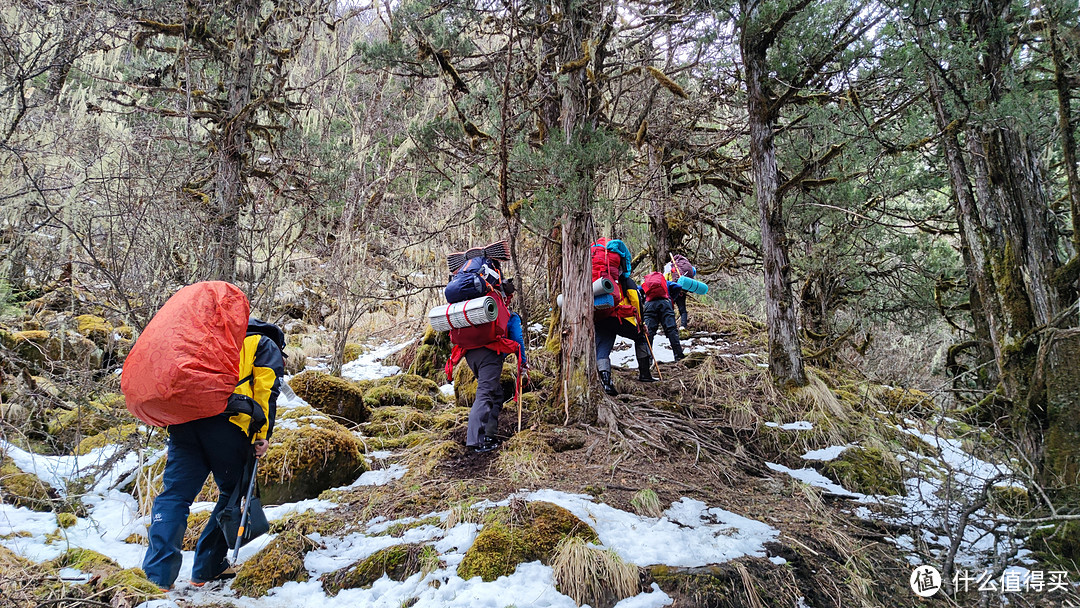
[[222, 445]]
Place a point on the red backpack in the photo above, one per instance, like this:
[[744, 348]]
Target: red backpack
[[655, 286], [186, 363], [481, 336], [607, 263]]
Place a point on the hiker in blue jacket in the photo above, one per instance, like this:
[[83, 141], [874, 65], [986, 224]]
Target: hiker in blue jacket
[[222, 445]]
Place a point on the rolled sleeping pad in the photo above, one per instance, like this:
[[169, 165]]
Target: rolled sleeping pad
[[469, 313], [693, 286], [602, 286], [603, 302]]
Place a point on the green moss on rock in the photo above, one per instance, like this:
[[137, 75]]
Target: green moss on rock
[[866, 470], [397, 563], [532, 533], [388, 396], [109, 437], [276, 564], [302, 462], [331, 395], [25, 489]]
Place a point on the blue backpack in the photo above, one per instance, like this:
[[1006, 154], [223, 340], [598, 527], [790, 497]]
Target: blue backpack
[[477, 278]]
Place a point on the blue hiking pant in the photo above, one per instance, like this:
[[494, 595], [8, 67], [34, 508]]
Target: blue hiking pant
[[487, 365], [607, 329], [196, 449], [659, 312]]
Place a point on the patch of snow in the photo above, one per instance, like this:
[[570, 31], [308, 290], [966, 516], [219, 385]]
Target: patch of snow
[[447, 389], [800, 425], [813, 478], [689, 534], [368, 365], [380, 477], [826, 454]]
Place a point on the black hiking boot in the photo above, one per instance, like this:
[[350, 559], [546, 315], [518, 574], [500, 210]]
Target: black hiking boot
[[489, 444], [609, 387], [644, 374]]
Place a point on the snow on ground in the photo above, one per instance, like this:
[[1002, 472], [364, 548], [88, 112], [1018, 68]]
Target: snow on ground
[[689, 533], [622, 355], [939, 489], [368, 366]]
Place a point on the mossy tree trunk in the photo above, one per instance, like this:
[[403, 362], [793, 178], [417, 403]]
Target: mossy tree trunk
[[1009, 236], [785, 350], [232, 146]]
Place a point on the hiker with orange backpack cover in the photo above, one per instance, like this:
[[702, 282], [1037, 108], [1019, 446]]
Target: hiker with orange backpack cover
[[221, 443]]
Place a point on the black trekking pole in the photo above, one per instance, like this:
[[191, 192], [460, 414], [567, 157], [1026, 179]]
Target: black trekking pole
[[244, 511]]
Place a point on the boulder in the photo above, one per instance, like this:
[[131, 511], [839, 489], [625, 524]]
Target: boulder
[[309, 453], [331, 395], [518, 534]]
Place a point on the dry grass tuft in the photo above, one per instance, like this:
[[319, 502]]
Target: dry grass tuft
[[591, 575], [752, 599], [525, 457], [646, 502]]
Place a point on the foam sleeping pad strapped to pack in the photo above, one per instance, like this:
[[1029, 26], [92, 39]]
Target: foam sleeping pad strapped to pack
[[693, 286], [604, 302], [469, 313], [186, 363], [602, 286]]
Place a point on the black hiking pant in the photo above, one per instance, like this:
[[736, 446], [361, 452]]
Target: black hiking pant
[[660, 312]]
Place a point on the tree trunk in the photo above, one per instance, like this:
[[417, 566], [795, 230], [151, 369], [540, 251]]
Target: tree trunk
[[659, 204], [577, 356], [578, 353], [985, 311], [785, 351], [232, 144], [1068, 139]]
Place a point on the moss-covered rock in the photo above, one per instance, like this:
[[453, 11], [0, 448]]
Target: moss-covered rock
[[722, 585], [530, 532], [1010, 500], [122, 586], [326, 523], [427, 358], [276, 564], [331, 395], [388, 396], [25, 489], [906, 400], [44, 349], [352, 352], [866, 470], [398, 563], [66, 520], [308, 454], [97, 329], [113, 435], [1058, 545], [71, 427]]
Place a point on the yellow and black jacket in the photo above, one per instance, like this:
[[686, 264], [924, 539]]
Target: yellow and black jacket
[[253, 405]]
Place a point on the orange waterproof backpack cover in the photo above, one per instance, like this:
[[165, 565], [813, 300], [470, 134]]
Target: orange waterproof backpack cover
[[186, 363]]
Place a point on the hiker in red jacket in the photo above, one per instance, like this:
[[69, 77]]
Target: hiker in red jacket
[[658, 311], [222, 445]]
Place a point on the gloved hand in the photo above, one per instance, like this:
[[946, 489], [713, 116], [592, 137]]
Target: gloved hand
[[261, 445]]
